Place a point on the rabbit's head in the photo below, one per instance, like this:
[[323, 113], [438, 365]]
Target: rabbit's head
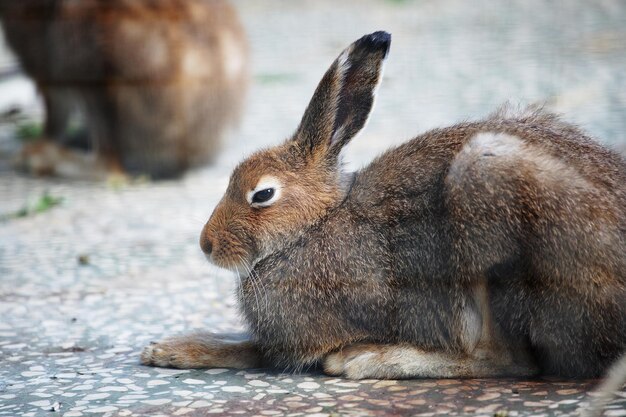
[[276, 193]]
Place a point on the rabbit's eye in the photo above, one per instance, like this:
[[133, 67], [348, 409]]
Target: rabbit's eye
[[263, 195], [266, 192]]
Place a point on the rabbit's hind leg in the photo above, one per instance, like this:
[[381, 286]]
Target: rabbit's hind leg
[[547, 228], [361, 361], [485, 353], [203, 350]]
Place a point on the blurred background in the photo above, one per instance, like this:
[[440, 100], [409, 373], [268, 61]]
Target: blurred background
[[90, 264]]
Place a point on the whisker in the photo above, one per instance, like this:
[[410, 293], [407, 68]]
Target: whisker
[[240, 286], [259, 283], [252, 283], [265, 291]]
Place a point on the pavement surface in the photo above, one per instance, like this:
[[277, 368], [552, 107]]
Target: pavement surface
[[86, 283]]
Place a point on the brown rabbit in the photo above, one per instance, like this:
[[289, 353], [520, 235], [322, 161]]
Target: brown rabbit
[[158, 80], [484, 249]]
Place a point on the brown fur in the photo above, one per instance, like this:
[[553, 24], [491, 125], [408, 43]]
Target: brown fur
[[487, 248], [202, 350], [158, 81]]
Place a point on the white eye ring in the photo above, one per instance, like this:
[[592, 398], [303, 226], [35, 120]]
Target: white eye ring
[[266, 182]]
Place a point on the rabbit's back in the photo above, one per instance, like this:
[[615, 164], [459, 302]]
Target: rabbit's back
[[123, 40], [420, 166]]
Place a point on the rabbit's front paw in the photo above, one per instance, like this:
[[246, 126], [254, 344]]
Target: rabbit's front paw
[[168, 354], [202, 350]]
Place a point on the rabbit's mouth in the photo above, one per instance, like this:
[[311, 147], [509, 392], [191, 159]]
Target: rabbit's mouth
[[243, 268]]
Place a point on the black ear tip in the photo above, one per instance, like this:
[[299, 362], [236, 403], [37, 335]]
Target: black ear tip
[[380, 36], [377, 41]]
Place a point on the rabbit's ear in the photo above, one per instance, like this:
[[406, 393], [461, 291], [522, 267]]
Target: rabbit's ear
[[344, 98]]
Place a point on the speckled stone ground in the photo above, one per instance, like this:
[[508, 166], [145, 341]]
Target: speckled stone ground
[[85, 285]]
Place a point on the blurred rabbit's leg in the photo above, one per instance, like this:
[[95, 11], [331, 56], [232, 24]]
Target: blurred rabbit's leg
[[63, 123], [103, 120], [58, 110], [362, 361], [53, 156], [203, 350]]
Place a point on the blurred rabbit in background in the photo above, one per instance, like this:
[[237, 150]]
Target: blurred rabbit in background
[[157, 82]]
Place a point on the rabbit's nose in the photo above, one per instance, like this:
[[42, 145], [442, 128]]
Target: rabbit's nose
[[205, 244]]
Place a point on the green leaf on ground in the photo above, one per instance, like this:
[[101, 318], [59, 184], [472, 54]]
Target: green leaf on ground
[[27, 131], [44, 203]]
